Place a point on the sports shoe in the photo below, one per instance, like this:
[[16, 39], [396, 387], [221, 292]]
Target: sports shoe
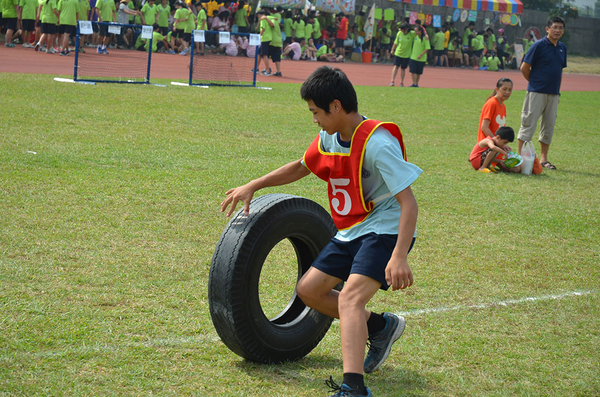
[[344, 390], [64, 53], [381, 343], [36, 46], [184, 52], [51, 50], [99, 50], [104, 51], [265, 73], [277, 74], [27, 45], [170, 52], [10, 45]]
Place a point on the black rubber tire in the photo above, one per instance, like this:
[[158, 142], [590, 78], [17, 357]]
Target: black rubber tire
[[233, 285]]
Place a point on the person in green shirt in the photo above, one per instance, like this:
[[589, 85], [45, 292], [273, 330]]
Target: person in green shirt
[[493, 62], [158, 40], [316, 30], [84, 15], [180, 26], [48, 15], [201, 25], [402, 49], [384, 43], [299, 26], [106, 11], [325, 54], [241, 18], [466, 39], [266, 35], [150, 13], [491, 41], [67, 18], [418, 56], [438, 48], [477, 46], [288, 22], [308, 29], [276, 44], [10, 13], [27, 10], [164, 11]]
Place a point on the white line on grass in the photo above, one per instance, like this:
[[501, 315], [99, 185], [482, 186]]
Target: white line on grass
[[531, 299], [163, 342]]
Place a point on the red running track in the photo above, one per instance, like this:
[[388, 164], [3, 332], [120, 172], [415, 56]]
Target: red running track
[[164, 66]]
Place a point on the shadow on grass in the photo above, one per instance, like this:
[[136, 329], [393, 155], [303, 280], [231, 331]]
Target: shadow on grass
[[312, 371]]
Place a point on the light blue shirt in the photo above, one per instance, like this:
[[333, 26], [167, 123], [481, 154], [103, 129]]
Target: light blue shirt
[[384, 174]]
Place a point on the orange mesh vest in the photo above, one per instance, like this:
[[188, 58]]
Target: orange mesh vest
[[342, 172]]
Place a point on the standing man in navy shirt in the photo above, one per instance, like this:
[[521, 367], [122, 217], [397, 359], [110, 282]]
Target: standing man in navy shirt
[[542, 67]]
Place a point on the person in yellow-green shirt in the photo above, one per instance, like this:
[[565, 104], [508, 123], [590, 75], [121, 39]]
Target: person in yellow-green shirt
[[106, 11], [158, 41], [164, 12], [150, 13], [266, 35], [477, 46], [27, 10], [241, 18], [48, 15], [180, 26], [276, 44], [67, 19], [418, 56], [201, 25], [9, 13], [402, 49]]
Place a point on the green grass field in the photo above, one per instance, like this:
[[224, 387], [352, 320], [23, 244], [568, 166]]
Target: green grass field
[[110, 215]]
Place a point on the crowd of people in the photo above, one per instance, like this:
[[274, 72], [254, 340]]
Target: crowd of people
[[50, 25]]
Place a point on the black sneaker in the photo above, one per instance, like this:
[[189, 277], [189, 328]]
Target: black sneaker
[[277, 74], [344, 390], [381, 343]]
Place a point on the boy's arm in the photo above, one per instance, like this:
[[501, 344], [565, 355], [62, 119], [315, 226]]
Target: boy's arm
[[397, 272], [289, 173]]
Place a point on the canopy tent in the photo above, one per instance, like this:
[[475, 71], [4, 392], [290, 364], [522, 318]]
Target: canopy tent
[[504, 6]]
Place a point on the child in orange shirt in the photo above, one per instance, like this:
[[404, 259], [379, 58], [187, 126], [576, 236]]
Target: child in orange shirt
[[484, 152]]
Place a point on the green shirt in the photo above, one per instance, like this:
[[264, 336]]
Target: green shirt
[[438, 41], [491, 42], [276, 40], [308, 31], [316, 29], [267, 34], [467, 36], [191, 22], [240, 18], [84, 10], [418, 47], [299, 29], [181, 13], [163, 15], [321, 51], [476, 44], [47, 13], [287, 27], [68, 12], [201, 20], [384, 38], [9, 10], [493, 63], [404, 44], [106, 8], [29, 8], [150, 12], [156, 38]]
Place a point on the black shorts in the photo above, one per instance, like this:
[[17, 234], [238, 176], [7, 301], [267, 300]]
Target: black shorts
[[187, 37], [103, 30], [264, 48], [28, 25], [384, 47], [366, 255], [438, 53], [416, 67], [339, 43], [69, 29], [275, 53], [243, 29], [478, 53], [178, 33], [11, 23], [402, 62], [164, 30], [48, 28]]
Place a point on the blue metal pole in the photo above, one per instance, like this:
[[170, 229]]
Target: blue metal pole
[[193, 45], [149, 58], [76, 53]]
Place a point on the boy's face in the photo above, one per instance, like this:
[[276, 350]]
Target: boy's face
[[501, 142], [327, 121]]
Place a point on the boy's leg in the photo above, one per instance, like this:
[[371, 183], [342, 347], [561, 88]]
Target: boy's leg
[[355, 295]]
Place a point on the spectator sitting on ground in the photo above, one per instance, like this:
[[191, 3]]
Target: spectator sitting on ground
[[293, 50], [310, 53], [493, 62], [325, 54]]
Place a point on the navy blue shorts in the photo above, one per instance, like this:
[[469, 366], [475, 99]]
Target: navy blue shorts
[[416, 67], [367, 255], [264, 48], [402, 62]]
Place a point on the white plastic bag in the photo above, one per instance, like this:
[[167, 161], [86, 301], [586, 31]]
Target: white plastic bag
[[528, 154]]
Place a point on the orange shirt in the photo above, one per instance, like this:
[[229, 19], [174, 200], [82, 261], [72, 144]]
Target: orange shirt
[[495, 112]]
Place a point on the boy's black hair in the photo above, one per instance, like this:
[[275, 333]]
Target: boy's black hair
[[155, 27], [556, 20], [506, 133], [325, 85]]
